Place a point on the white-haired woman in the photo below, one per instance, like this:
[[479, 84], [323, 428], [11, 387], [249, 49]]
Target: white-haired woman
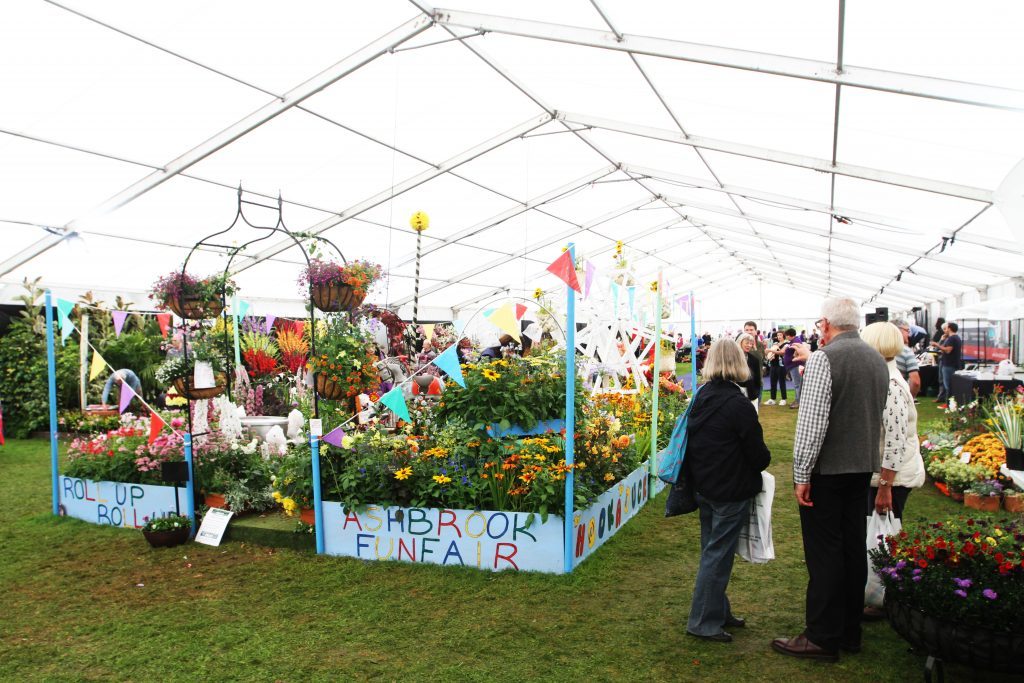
[[725, 455], [753, 385], [902, 465]]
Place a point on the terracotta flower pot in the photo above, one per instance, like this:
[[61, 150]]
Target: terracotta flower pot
[[983, 503], [216, 500], [1013, 503], [191, 308], [958, 497], [330, 390], [167, 539], [332, 297]]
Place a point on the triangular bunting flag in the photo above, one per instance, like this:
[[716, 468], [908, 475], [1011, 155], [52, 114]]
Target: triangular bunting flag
[[334, 437], [395, 400], [520, 311], [615, 296], [565, 271], [428, 331], [684, 302], [270, 323], [504, 319], [119, 318], [64, 308], [488, 312], [156, 425], [164, 320], [2, 442], [460, 326], [127, 394], [97, 366], [588, 279], [449, 363], [243, 308]]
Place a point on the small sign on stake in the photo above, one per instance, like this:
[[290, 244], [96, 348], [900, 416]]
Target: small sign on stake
[[215, 523]]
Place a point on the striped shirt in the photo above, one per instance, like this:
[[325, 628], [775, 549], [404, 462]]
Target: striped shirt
[[812, 421], [906, 362]]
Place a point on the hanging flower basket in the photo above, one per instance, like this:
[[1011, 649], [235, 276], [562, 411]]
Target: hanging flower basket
[[330, 390], [951, 641], [194, 308], [332, 297], [183, 385]]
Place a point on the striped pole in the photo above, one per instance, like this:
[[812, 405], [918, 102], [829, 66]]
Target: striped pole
[[656, 378], [570, 412], [416, 286]]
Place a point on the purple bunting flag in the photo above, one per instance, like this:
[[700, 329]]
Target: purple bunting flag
[[334, 436], [119, 318]]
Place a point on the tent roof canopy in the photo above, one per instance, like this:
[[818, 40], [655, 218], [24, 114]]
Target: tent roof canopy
[[813, 147]]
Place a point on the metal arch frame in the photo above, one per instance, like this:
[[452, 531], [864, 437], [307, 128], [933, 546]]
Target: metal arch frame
[[746, 60]]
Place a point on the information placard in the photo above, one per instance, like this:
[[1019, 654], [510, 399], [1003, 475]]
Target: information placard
[[215, 523]]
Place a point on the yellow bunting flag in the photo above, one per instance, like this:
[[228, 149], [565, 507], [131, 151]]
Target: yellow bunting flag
[[504, 319], [97, 367], [428, 331]]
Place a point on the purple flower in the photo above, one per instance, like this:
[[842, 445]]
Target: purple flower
[[901, 564], [990, 594], [917, 571], [961, 593], [916, 578], [963, 583]]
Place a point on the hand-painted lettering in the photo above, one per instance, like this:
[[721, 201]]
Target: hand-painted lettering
[[370, 515], [453, 549], [424, 550], [362, 541], [516, 529], [138, 493], [401, 546], [376, 548], [504, 529], [351, 516], [417, 516], [451, 522], [508, 558], [483, 524], [69, 487], [395, 515]]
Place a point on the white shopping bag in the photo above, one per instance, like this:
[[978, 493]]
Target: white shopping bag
[[756, 537], [878, 525]]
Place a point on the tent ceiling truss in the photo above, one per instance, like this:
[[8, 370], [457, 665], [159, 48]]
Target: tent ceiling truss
[[753, 251]]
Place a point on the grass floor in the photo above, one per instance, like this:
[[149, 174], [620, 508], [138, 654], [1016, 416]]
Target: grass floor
[[89, 603]]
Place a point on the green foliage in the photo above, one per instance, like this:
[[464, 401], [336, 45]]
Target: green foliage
[[171, 522], [23, 382], [73, 421], [137, 351]]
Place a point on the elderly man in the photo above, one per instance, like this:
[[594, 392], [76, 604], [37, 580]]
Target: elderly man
[[836, 448], [906, 362]]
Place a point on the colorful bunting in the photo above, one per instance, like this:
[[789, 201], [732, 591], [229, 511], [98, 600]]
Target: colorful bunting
[[504, 319], [589, 279], [127, 394], [488, 312], [564, 269], [520, 311], [395, 401], [428, 330], [97, 366], [460, 327], [615, 296], [684, 301], [449, 363], [631, 293], [64, 308], [243, 308], [334, 437], [156, 425], [119, 318], [164, 320], [270, 323]]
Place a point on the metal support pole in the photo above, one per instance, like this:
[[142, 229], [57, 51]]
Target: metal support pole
[[416, 284], [570, 411], [234, 315], [51, 369], [693, 344], [190, 493], [318, 501], [656, 379], [83, 357]]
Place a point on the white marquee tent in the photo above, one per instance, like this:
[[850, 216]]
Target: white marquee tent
[[763, 154]]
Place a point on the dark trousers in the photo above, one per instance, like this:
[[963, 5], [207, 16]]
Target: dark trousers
[[899, 500], [834, 530], [777, 375], [720, 526]]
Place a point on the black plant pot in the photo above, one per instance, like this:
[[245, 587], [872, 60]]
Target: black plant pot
[[167, 539], [1015, 459], [952, 641]]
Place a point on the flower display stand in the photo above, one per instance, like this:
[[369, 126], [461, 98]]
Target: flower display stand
[[494, 540]]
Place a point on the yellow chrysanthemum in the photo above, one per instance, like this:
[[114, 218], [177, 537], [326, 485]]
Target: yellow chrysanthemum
[[441, 479], [403, 473]]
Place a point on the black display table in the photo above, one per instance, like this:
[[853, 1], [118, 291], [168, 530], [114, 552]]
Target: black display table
[[930, 384], [965, 386]]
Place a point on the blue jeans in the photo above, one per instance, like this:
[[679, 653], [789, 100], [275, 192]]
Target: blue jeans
[[798, 381], [946, 373], [720, 526]]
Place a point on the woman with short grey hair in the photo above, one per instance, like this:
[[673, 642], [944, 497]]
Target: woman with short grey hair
[[725, 455], [753, 384]]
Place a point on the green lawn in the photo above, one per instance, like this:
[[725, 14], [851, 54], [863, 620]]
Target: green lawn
[[90, 603]]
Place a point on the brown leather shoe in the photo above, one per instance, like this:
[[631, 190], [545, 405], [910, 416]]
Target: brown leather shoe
[[800, 647]]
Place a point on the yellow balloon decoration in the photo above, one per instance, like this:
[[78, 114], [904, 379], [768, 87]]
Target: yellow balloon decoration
[[419, 221]]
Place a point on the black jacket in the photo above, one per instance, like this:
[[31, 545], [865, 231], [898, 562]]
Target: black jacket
[[754, 384], [725, 451]]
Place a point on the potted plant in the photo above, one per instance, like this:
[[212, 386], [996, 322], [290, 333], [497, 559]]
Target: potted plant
[[180, 372], [1013, 500], [960, 475], [983, 495], [167, 532], [955, 589], [1007, 420], [292, 482], [192, 298], [335, 287], [344, 366]]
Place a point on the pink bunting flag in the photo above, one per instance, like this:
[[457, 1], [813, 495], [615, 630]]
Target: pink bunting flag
[[270, 323], [334, 437], [684, 301], [119, 318], [127, 394], [520, 311], [564, 269], [164, 320], [589, 279]]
